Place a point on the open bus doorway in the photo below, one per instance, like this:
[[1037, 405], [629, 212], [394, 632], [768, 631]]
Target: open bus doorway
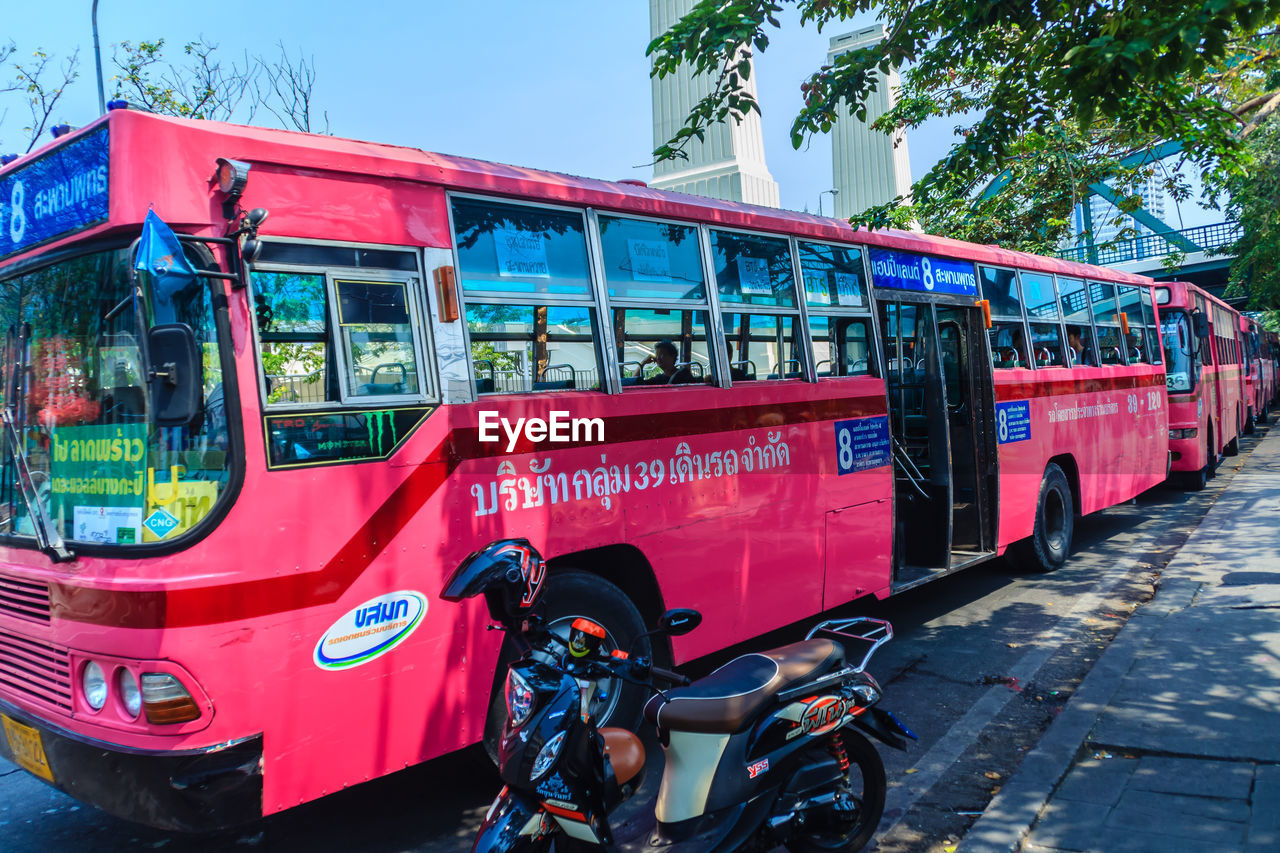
[[938, 380]]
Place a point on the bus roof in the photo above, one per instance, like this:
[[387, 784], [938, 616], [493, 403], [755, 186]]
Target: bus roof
[[138, 136]]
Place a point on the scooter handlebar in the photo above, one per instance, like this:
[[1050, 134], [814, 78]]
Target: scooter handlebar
[[667, 675]]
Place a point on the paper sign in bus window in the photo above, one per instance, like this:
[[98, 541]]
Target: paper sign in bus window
[[521, 253], [848, 290], [816, 289], [649, 260], [753, 276]]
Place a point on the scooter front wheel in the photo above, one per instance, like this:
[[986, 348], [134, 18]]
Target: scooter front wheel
[[849, 825]]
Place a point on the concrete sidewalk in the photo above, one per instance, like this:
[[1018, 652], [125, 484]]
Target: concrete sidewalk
[[1172, 742]]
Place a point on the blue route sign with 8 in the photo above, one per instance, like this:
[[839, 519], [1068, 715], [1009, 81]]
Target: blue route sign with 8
[[60, 192], [1013, 421], [904, 271], [861, 444]]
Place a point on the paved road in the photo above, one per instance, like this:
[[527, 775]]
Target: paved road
[[982, 663]]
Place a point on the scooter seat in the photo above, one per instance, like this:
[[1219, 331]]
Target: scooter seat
[[729, 697]]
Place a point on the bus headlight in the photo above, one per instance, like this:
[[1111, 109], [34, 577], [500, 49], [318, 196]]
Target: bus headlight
[[547, 756], [1183, 433], [94, 684], [130, 695], [520, 698]]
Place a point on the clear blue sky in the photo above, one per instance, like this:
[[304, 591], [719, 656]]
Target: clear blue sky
[[560, 85]]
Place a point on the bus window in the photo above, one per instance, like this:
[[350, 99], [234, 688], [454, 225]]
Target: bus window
[[842, 346], [1008, 345], [328, 334], [507, 248], [521, 348], [1042, 311], [293, 335], [763, 346], [753, 270], [1081, 340], [835, 291], [526, 282], [1102, 299], [1180, 352], [1110, 345], [1000, 288], [651, 260], [1149, 325], [645, 338], [1131, 306], [378, 355]]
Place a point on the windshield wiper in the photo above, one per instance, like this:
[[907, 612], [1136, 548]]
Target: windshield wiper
[[48, 538]]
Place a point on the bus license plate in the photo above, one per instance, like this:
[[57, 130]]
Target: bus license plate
[[27, 749]]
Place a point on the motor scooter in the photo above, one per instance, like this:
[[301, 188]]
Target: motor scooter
[[769, 749]]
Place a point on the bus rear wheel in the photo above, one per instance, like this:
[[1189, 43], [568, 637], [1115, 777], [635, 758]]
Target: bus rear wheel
[[1049, 545]]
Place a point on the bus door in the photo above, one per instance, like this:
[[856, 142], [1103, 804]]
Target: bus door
[[938, 407]]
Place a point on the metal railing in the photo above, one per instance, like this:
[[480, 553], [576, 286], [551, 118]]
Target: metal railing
[[1212, 238]]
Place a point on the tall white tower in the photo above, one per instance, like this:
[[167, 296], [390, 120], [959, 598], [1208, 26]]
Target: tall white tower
[[729, 163], [869, 167]]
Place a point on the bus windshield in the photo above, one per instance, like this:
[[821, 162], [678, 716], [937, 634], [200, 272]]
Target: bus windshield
[[104, 472], [1182, 366]]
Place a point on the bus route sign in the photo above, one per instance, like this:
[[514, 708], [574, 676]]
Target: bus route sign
[[904, 271], [63, 191]]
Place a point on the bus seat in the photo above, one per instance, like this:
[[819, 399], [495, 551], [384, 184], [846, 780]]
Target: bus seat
[[554, 385], [484, 385], [125, 403], [376, 389]]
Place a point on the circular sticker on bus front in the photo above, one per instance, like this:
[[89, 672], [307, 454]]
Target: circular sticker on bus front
[[370, 630]]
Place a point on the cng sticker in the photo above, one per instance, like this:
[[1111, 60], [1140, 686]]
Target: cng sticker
[[161, 523], [370, 630]]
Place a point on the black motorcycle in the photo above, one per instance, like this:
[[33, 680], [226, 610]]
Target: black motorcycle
[[769, 749]]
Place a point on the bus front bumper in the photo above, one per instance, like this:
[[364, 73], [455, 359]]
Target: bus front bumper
[[188, 790]]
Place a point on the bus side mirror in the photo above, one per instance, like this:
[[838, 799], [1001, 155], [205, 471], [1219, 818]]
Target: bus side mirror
[[175, 375], [1200, 322]]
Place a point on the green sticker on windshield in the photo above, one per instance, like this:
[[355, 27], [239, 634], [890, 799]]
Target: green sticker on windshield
[[97, 480]]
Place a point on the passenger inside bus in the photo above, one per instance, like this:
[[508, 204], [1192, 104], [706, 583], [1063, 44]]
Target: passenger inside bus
[[739, 371], [1080, 353], [670, 373]]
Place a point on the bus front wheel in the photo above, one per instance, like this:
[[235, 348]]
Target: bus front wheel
[[571, 594], [1049, 545]]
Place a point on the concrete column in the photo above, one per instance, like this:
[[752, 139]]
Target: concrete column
[[869, 167], [729, 163]]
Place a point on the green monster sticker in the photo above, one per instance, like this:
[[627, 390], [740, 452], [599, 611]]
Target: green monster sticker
[[326, 438]]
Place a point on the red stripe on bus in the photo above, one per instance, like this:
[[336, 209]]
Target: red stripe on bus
[[206, 605]]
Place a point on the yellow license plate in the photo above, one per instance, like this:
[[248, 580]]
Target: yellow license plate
[[27, 748]]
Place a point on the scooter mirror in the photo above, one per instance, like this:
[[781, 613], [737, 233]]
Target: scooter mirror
[[679, 621]]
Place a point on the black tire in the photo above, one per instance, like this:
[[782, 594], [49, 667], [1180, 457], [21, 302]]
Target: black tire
[[1232, 447], [1211, 459], [1248, 422], [1197, 480], [1049, 545], [865, 783], [570, 594]]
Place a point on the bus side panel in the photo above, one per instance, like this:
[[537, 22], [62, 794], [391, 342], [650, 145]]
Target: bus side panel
[[1110, 421]]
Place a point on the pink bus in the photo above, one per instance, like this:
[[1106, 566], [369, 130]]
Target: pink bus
[[1205, 380], [232, 500], [1260, 372]]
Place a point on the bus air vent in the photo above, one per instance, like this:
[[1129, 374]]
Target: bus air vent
[[34, 670], [24, 599]]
